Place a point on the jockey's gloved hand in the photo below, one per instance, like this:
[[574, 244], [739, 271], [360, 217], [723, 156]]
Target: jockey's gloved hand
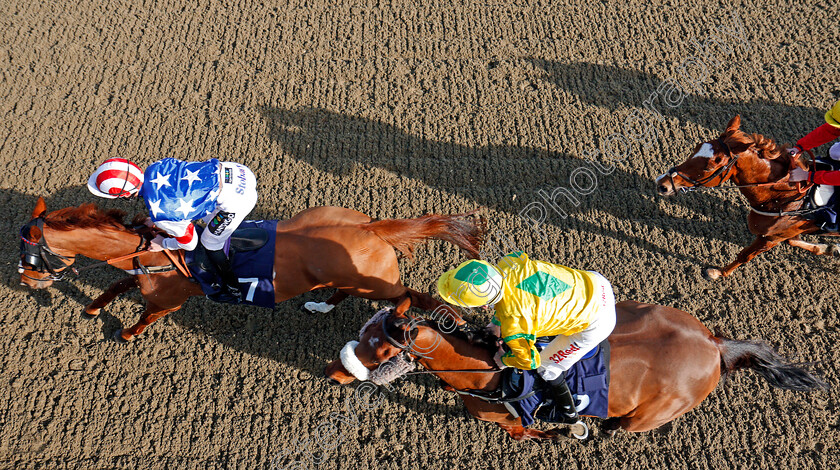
[[494, 328], [798, 174], [156, 244], [498, 358]]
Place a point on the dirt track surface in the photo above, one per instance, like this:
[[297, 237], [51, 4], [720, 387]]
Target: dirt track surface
[[397, 109]]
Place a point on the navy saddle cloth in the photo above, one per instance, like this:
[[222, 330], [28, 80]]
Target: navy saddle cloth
[[251, 251], [588, 379], [826, 216]]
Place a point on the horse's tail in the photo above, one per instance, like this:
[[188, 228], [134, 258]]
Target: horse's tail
[[762, 358], [465, 231]]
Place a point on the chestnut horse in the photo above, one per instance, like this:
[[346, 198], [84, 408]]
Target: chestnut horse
[[319, 247], [663, 363], [760, 168]]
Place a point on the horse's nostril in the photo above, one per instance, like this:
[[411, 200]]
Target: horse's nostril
[[663, 188], [333, 382]]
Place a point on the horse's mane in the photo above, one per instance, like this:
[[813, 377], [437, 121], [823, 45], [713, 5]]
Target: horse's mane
[[85, 216], [474, 336], [764, 146]]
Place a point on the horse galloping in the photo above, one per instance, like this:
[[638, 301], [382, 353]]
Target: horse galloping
[[663, 363], [319, 247], [760, 168]]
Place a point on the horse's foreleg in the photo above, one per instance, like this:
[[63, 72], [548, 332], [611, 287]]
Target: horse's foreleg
[[324, 307], [760, 245], [147, 318], [815, 248], [519, 433], [117, 288]]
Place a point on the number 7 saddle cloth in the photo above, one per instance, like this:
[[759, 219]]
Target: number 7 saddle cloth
[[251, 251]]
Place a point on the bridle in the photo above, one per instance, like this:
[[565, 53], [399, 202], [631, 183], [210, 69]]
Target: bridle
[[409, 352], [38, 257], [723, 172]]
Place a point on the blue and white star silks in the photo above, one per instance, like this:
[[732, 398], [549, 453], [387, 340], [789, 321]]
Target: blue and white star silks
[[177, 190]]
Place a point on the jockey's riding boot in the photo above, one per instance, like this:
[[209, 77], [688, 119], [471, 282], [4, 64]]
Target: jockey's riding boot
[[564, 402], [229, 292]]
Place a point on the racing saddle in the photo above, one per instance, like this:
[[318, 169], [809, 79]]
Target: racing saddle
[[242, 240]]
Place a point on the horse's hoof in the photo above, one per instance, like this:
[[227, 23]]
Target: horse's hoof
[[834, 251], [90, 313], [579, 431], [711, 274], [118, 336]]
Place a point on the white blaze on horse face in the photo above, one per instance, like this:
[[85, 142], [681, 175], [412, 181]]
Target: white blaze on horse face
[[706, 151], [373, 341]]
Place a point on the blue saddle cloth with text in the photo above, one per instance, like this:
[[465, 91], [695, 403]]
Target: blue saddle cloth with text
[[254, 269], [588, 380]]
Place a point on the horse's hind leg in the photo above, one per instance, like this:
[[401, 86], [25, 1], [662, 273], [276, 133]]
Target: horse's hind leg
[[147, 318], [109, 295], [815, 248], [324, 307]]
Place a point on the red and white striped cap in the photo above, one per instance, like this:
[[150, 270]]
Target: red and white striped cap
[[116, 177]]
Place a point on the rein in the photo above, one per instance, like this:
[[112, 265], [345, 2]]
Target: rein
[[725, 170], [408, 351], [37, 255]]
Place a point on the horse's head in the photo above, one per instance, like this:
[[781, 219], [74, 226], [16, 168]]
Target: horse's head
[[49, 242], [40, 265], [711, 163], [381, 340]]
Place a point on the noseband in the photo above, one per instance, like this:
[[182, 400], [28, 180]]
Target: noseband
[[40, 257], [723, 171]]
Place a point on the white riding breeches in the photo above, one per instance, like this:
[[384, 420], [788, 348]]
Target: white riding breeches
[[237, 197], [563, 351]]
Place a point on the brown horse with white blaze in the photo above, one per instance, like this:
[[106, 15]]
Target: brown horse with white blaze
[[760, 169], [663, 363], [317, 248]]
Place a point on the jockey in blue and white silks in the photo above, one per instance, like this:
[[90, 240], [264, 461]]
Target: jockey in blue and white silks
[[176, 192]]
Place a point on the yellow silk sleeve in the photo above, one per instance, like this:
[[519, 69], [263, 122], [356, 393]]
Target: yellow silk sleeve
[[523, 354]]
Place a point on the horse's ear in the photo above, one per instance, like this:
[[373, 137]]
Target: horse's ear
[[40, 208], [34, 233], [734, 124]]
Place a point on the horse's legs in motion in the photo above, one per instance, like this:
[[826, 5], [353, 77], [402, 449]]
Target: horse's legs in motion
[[109, 295], [520, 433], [610, 426], [324, 307], [760, 245], [815, 248], [149, 316]]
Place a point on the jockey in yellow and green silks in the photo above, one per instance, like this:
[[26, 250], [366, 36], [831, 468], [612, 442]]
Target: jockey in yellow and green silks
[[533, 299]]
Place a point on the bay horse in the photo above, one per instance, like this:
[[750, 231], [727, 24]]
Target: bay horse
[[760, 169], [319, 247], [663, 363]]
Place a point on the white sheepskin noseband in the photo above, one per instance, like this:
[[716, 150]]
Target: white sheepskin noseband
[[352, 363]]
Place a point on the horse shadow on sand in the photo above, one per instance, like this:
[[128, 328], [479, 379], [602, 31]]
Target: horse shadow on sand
[[617, 88]]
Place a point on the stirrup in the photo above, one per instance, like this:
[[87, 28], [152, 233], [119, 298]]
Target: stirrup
[[227, 295]]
